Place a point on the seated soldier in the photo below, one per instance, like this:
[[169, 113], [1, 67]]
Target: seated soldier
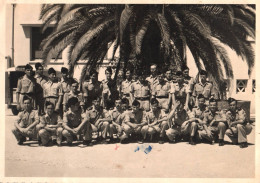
[[132, 123], [75, 123], [50, 127], [24, 125], [176, 118], [96, 116], [216, 123], [239, 128], [156, 121]]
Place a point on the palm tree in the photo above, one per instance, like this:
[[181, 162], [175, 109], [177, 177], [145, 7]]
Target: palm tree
[[148, 34]]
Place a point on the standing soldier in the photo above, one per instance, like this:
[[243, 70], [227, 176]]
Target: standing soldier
[[26, 86], [190, 81], [75, 123], [40, 81], [161, 92], [140, 91], [24, 125], [132, 123], [94, 116], [50, 127], [52, 90], [180, 91], [126, 86], [73, 93], [203, 87], [239, 128], [65, 80], [156, 122], [216, 122], [153, 79], [168, 76], [92, 88]]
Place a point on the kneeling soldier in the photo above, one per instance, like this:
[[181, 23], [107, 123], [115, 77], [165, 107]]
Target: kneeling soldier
[[96, 117], [156, 120], [216, 122], [75, 123], [132, 122], [50, 126], [238, 126], [24, 126]]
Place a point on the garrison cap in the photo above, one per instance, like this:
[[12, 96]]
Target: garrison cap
[[64, 70], [51, 71], [28, 67]]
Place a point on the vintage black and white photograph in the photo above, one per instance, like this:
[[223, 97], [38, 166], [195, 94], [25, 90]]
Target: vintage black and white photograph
[[130, 90]]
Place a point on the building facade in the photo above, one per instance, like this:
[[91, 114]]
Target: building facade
[[27, 36]]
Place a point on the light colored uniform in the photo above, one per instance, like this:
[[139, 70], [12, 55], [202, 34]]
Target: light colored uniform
[[136, 118], [73, 120], [24, 120], [26, 86], [219, 128], [180, 92], [91, 90], [190, 81], [45, 132], [69, 95], [65, 85], [114, 115], [238, 133], [151, 117], [92, 115], [162, 91], [52, 91], [178, 118], [142, 94], [205, 89], [40, 81], [152, 81], [126, 90]]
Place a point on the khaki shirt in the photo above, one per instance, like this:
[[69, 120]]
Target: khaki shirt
[[126, 87], [152, 81], [140, 90], [130, 116], [205, 90], [91, 89], [92, 114], [152, 116], [25, 119], [72, 119], [54, 119], [209, 116], [190, 81], [51, 89], [69, 95], [239, 115], [199, 113], [162, 90], [65, 85], [40, 81], [114, 114], [26, 85], [180, 117]]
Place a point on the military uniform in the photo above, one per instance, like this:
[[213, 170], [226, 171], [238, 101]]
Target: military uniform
[[152, 81], [190, 81], [136, 118], [24, 120], [108, 93], [175, 130], [151, 117], [141, 93], [126, 90], [26, 86], [50, 127], [114, 115], [205, 89], [69, 95], [237, 133], [91, 90], [161, 92], [73, 120], [92, 115], [218, 128], [52, 91], [180, 92], [40, 81], [66, 84]]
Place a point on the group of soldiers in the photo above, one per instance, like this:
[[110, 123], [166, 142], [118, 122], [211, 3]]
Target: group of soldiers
[[161, 107]]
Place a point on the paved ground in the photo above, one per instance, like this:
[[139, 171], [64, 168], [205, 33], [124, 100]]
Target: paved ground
[[168, 160]]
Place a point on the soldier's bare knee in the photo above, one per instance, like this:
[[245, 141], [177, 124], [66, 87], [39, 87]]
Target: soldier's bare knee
[[106, 123], [239, 126], [41, 132]]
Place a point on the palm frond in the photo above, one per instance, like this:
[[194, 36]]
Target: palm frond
[[247, 28], [125, 16], [45, 8]]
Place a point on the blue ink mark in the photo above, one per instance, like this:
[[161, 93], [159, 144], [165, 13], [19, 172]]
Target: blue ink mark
[[137, 149], [148, 149]]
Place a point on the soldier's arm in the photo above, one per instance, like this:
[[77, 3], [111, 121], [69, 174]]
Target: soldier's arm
[[83, 122], [17, 121], [65, 123], [132, 92], [36, 121], [60, 97], [65, 100], [18, 90], [241, 117]]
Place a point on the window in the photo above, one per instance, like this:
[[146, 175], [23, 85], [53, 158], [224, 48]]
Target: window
[[36, 38], [253, 86], [241, 85]]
